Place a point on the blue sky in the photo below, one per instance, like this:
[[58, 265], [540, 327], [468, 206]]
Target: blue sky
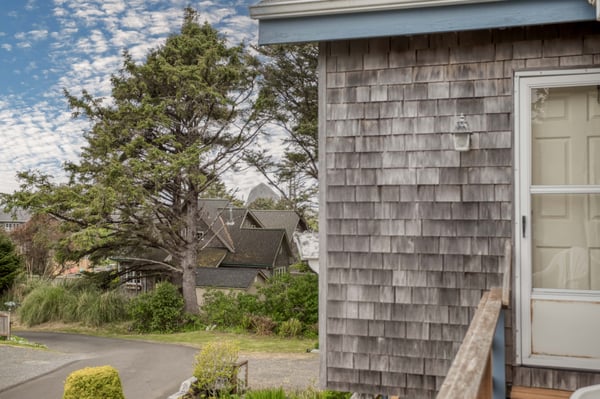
[[49, 45]]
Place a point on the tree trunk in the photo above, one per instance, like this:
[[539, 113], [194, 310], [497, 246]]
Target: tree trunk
[[189, 283]]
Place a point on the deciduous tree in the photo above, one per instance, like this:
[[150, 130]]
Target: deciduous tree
[[36, 241]]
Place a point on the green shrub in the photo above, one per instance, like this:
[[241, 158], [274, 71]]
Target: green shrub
[[94, 383], [289, 296], [227, 310], [282, 299], [215, 368], [290, 328], [160, 310]]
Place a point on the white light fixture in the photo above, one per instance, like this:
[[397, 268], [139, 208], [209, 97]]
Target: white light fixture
[[462, 134], [230, 221]]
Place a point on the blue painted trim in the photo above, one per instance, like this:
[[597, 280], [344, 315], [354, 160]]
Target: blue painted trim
[[424, 20], [499, 360]]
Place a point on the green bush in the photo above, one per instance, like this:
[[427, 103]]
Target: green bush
[[291, 301], [227, 310], [160, 310], [290, 296], [94, 383], [215, 368], [290, 328]]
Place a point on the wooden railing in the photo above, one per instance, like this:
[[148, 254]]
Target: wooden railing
[[478, 370]]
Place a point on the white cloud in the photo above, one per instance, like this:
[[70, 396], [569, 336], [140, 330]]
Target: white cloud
[[38, 34], [30, 5], [84, 50]]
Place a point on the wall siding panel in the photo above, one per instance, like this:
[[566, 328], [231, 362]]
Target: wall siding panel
[[415, 229]]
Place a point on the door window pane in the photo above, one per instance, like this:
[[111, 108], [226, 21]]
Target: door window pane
[[565, 132], [566, 241]]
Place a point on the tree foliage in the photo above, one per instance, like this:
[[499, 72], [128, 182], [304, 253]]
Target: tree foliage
[[288, 99], [36, 240], [10, 262], [174, 124]]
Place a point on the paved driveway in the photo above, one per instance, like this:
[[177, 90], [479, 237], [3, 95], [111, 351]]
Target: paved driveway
[[147, 370]]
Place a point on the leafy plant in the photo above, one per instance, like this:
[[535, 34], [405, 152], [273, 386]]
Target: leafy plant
[[215, 368], [160, 310], [292, 296], [227, 310], [93, 383], [290, 328]]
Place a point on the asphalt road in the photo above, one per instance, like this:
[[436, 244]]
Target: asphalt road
[[147, 370]]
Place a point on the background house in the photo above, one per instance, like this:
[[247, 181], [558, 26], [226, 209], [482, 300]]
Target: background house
[[229, 279], [412, 225], [242, 248], [9, 222]]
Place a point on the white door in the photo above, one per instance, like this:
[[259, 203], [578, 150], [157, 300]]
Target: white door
[[558, 209]]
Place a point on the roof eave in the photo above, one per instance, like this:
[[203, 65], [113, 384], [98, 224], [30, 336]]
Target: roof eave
[[269, 9]]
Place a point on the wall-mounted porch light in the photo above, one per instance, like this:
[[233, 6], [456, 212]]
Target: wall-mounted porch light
[[462, 134], [230, 221]]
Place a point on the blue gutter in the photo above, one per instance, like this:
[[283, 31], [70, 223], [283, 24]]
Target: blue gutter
[[499, 14]]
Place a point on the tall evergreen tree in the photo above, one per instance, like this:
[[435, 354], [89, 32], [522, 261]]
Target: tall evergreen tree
[[174, 124], [288, 99], [10, 262]]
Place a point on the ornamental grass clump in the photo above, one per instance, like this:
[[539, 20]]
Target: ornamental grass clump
[[215, 369], [94, 383]]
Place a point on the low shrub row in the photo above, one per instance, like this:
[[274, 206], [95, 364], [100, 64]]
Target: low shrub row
[[288, 305]]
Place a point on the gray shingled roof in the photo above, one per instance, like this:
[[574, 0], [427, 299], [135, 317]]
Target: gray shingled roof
[[256, 247], [21, 216], [226, 277], [275, 219]]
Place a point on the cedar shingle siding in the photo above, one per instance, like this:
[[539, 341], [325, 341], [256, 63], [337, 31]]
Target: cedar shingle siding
[[416, 230]]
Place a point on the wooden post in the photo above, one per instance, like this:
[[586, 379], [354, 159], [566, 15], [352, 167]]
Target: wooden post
[[5, 324]]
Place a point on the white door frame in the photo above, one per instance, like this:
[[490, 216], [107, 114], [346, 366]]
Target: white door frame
[[523, 83]]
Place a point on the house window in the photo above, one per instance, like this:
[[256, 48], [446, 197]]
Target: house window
[[133, 280], [558, 218]]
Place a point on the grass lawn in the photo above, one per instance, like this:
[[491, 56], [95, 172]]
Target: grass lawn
[[247, 342]]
